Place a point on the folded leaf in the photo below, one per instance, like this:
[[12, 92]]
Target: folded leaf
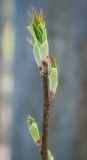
[[41, 16], [37, 54], [38, 33], [30, 29], [43, 30]]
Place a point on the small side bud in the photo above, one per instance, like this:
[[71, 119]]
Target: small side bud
[[50, 157], [33, 129], [53, 78]]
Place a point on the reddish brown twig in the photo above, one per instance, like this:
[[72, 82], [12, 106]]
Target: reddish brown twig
[[44, 147]]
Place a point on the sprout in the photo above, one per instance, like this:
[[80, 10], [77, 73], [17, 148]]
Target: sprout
[[39, 40]]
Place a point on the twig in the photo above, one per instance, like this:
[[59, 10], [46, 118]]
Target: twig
[[39, 43], [44, 147]]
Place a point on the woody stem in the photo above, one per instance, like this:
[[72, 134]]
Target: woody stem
[[44, 147]]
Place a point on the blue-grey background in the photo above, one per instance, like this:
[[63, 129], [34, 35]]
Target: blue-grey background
[[66, 23]]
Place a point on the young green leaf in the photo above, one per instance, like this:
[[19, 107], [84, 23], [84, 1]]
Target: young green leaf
[[36, 54], [41, 16]]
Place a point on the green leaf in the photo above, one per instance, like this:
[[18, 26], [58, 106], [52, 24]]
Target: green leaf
[[30, 29], [35, 17], [43, 30], [31, 42], [38, 33], [36, 53], [41, 16], [33, 129]]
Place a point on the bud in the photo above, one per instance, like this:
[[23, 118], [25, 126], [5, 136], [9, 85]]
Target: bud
[[39, 42], [33, 129], [50, 157], [53, 78]]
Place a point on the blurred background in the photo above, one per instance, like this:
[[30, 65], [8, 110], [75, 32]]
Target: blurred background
[[21, 86]]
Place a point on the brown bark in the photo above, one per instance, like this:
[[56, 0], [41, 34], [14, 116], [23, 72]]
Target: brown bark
[[44, 148]]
